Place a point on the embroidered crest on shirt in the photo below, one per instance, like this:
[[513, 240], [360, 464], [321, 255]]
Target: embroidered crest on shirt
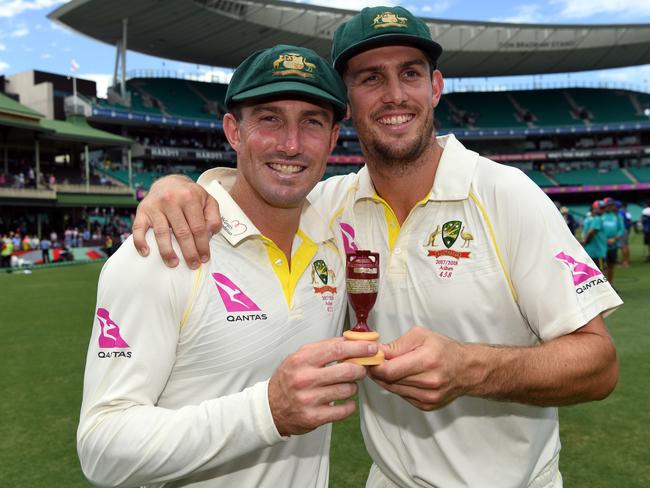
[[439, 243], [322, 278]]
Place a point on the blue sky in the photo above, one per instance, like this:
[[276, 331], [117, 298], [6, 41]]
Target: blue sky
[[29, 40]]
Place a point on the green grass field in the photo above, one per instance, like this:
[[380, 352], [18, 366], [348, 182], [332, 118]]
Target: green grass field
[[45, 321]]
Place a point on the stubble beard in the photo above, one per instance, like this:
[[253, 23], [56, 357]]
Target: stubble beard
[[399, 158]]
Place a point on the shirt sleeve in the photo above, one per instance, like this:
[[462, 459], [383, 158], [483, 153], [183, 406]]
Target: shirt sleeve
[[124, 438], [558, 287]]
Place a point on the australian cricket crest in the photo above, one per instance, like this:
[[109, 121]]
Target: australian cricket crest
[[323, 280], [439, 242]]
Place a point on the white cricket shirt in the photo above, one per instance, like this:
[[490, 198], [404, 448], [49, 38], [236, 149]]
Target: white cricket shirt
[[175, 388], [486, 258]]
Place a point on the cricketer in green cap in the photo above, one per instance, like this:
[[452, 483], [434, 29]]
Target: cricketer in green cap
[[381, 26], [287, 70]]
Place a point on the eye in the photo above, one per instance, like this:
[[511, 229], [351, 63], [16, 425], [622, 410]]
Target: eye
[[315, 122], [411, 74], [370, 79]]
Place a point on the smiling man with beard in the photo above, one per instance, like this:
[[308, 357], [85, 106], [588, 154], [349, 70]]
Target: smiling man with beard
[[481, 293]]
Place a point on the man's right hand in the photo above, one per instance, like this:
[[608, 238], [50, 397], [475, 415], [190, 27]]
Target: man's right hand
[[176, 201], [303, 390]]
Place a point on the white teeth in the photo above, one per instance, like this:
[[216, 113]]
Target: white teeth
[[285, 168], [395, 119]]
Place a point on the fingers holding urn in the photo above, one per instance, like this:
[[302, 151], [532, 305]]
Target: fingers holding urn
[[310, 388]]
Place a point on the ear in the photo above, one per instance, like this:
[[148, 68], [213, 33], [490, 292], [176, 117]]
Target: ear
[[336, 128], [437, 85], [231, 130]]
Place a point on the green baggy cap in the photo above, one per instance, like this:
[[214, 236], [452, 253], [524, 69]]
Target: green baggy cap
[[287, 70], [381, 26]]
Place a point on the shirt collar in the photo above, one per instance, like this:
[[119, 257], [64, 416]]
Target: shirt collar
[[236, 224], [453, 176]]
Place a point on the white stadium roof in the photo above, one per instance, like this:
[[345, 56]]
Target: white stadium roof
[[224, 32]]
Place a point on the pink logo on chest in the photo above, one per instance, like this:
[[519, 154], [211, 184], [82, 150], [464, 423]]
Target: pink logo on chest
[[109, 336], [580, 271], [347, 233], [234, 299]]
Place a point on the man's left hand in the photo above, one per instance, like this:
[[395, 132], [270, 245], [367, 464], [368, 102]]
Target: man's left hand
[[422, 367]]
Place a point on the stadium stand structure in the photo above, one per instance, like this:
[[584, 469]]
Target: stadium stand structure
[[577, 143]]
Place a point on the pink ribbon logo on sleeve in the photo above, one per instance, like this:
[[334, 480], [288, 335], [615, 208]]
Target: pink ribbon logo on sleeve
[[109, 335], [580, 271]]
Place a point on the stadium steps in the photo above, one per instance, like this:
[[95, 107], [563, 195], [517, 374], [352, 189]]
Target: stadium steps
[[604, 106], [549, 107], [486, 110], [630, 175], [578, 112], [634, 100], [642, 174]]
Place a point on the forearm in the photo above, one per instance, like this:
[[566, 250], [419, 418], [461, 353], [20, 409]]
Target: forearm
[[138, 444], [575, 368]]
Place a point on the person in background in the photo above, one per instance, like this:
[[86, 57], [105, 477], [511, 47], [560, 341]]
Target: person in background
[[645, 227], [570, 220], [613, 230], [625, 239], [593, 237], [45, 249]]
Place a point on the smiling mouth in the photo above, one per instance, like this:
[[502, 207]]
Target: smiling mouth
[[395, 119], [286, 168]]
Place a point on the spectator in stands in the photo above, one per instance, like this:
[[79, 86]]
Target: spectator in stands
[[35, 242], [593, 237], [31, 177], [570, 220], [25, 243], [645, 226], [3, 180], [45, 249], [613, 229], [15, 240], [6, 251], [625, 240]]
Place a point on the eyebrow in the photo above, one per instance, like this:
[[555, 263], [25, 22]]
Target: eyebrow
[[278, 110], [382, 67]]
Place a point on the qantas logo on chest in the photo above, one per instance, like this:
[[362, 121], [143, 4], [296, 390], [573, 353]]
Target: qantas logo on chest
[[235, 300], [347, 234]]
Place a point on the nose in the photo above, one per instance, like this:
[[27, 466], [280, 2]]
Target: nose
[[290, 141], [394, 91]]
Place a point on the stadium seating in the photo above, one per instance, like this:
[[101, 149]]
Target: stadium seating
[[539, 178], [605, 105], [484, 110], [547, 107], [592, 177]]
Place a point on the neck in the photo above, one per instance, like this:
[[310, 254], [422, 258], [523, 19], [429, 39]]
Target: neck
[[404, 185], [278, 224]]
